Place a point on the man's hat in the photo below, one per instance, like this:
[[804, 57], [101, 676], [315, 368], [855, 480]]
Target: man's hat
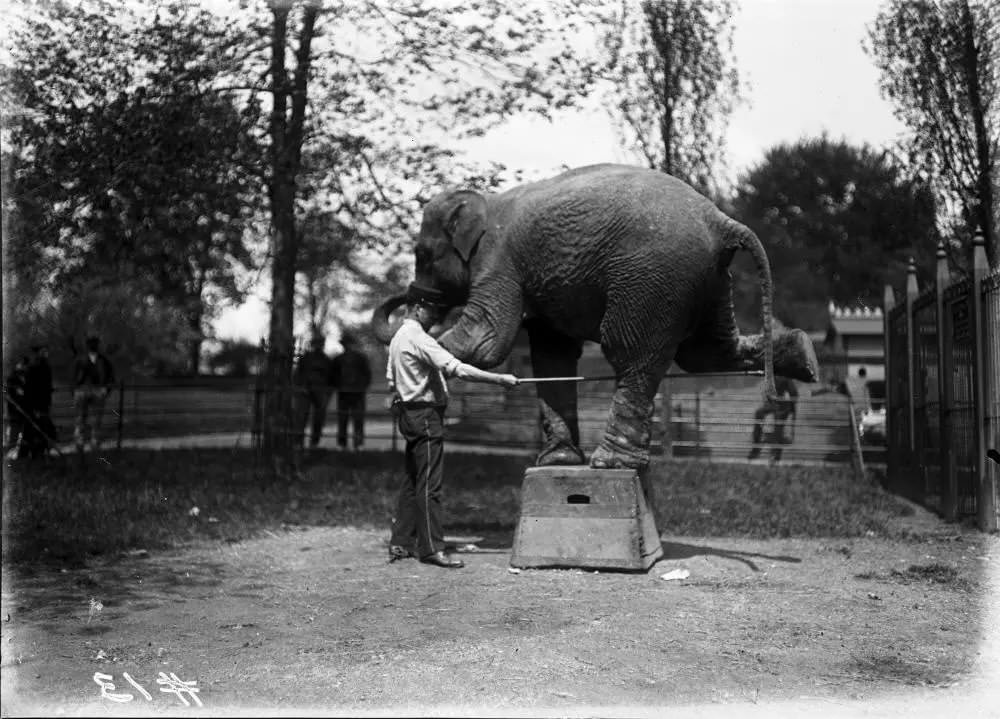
[[418, 294]]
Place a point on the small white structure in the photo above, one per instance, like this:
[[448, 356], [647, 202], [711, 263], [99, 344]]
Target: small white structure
[[857, 334]]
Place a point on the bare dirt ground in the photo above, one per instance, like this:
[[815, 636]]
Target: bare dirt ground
[[316, 622]]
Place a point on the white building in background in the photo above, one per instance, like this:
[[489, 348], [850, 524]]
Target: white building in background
[[858, 335]]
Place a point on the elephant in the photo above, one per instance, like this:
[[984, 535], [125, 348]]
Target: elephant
[[632, 258]]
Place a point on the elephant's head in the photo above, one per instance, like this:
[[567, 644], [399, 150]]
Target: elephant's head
[[453, 224]]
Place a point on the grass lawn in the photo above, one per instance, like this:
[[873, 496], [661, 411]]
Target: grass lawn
[[62, 511]]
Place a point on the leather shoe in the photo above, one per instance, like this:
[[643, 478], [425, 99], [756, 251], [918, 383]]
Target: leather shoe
[[396, 553], [443, 560]]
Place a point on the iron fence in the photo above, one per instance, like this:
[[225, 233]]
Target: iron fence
[[943, 372]]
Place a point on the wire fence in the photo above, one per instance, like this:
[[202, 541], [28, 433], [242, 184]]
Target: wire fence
[[714, 424]]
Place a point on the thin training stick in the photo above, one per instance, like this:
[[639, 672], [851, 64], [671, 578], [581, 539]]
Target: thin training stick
[[748, 373], [524, 380]]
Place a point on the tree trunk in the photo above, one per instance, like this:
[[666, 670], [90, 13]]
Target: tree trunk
[[660, 34], [195, 314], [286, 151], [984, 184], [194, 348]]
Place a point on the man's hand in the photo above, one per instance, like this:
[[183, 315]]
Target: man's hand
[[508, 380]]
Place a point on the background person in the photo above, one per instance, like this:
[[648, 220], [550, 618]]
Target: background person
[[312, 390], [416, 372], [93, 378], [39, 399], [782, 408], [351, 375], [857, 390]]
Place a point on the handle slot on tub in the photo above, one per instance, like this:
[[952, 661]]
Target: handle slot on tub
[[578, 499]]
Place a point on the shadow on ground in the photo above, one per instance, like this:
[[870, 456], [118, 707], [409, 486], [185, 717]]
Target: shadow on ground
[[677, 550]]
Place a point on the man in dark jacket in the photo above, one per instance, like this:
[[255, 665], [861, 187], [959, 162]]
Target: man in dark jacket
[[39, 398], [352, 374], [93, 378], [312, 391]]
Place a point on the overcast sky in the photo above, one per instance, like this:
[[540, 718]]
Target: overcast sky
[[807, 74]]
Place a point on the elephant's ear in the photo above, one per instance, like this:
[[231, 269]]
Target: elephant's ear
[[465, 222]]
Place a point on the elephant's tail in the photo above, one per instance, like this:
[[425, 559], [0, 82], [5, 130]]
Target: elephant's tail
[[740, 237]]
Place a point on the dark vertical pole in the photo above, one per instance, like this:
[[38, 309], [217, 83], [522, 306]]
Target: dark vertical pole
[[857, 455], [258, 390], [697, 423], [121, 410], [911, 296], [888, 305], [392, 423], [985, 509], [949, 480], [666, 417]]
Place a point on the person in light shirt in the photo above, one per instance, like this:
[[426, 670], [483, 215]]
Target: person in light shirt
[[417, 372]]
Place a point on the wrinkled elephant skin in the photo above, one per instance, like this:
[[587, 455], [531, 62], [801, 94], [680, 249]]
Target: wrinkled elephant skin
[[628, 257]]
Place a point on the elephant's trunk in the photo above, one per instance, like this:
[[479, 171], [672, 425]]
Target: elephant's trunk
[[382, 324], [485, 334]]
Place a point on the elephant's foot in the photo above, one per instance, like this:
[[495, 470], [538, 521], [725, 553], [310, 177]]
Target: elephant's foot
[[794, 356], [626, 439], [560, 454], [558, 447], [610, 456]]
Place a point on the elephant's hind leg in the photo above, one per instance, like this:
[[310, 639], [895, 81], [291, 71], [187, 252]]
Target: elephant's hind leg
[[553, 354]]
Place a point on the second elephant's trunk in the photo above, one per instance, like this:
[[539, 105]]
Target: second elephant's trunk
[[382, 324]]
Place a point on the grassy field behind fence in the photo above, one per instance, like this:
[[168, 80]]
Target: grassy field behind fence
[[61, 511]]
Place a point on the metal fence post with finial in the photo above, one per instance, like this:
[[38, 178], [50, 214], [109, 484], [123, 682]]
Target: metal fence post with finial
[[949, 479], [911, 296], [888, 305], [985, 492]]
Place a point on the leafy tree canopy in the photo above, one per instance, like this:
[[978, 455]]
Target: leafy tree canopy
[[674, 84], [940, 67], [127, 164], [141, 135], [838, 222]]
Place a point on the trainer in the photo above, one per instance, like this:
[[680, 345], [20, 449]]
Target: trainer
[[416, 372]]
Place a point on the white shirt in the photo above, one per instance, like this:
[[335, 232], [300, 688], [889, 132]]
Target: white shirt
[[418, 365]]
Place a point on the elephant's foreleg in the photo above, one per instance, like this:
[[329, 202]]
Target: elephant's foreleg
[[555, 355]]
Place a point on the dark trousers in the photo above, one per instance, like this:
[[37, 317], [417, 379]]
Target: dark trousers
[[312, 400], [37, 433], [351, 406], [781, 414], [16, 427], [89, 403], [417, 524]]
